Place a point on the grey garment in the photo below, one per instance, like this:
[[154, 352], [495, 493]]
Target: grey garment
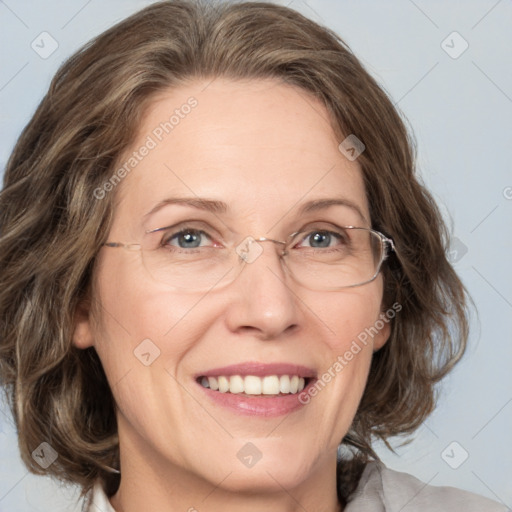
[[382, 490]]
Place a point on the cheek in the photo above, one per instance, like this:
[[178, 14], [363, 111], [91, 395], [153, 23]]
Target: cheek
[[138, 324], [135, 307], [144, 334], [360, 331], [142, 322], [353, 319]]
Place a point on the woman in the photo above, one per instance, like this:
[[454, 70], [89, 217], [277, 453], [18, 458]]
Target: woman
[[218, 265]]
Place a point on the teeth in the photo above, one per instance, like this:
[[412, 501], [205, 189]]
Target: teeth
[[236, 384], [284, 384], [253, 385], [270, 385], [294, 384], [223, 384], [214, 383]]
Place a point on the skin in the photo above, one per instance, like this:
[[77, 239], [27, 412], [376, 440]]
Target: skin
[[264, 148]]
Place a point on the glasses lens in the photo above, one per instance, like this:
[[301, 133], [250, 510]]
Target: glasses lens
[[186, 267], [335, 258]]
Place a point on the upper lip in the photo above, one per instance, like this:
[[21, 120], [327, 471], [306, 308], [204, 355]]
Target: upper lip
[[259, 370]]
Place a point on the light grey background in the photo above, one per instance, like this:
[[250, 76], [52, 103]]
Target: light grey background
[[460, 109]]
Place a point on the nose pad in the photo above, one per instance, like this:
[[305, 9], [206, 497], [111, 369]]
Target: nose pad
[[250, 249]]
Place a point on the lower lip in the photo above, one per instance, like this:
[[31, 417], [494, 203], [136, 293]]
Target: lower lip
[[260, 405]]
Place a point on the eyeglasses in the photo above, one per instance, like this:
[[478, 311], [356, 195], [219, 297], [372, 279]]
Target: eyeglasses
[[318, 258]]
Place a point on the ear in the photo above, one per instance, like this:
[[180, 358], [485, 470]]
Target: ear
[[383, 335], [82, 328]]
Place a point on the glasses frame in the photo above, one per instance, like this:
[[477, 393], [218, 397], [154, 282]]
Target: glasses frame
[[387, 247]]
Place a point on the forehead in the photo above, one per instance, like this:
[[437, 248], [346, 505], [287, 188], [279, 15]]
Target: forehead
[[259, 146]]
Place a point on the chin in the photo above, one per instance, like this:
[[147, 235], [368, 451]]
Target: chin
[[265, 478], [267, 465]]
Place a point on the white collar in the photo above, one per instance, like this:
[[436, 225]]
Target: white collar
[[99, 501]]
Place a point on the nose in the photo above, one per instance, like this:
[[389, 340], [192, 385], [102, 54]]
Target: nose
[[263, 300]]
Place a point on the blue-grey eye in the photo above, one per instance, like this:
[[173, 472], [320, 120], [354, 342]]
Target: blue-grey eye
[[186, 239], [323, 239], [320, 239]]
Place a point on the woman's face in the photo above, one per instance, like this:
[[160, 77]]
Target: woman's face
[[264, 149]]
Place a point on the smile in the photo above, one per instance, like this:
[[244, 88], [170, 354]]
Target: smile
[[256, 388]]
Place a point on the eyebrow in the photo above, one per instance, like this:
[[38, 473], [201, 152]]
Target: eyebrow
[[321, 204], [218, 207], [209, 205]]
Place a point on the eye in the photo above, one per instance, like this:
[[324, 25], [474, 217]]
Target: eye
[[187, 238], [324, 239]]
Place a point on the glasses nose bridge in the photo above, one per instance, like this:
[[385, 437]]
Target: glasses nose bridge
[[277, 242], [265, 239]]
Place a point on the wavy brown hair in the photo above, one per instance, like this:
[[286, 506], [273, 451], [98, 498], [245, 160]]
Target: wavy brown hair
[[52, 227]]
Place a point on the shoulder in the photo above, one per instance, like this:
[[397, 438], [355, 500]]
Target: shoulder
[[381, 489]]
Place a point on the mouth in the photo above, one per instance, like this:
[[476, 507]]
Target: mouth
[[254, 385], [258, 389]]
